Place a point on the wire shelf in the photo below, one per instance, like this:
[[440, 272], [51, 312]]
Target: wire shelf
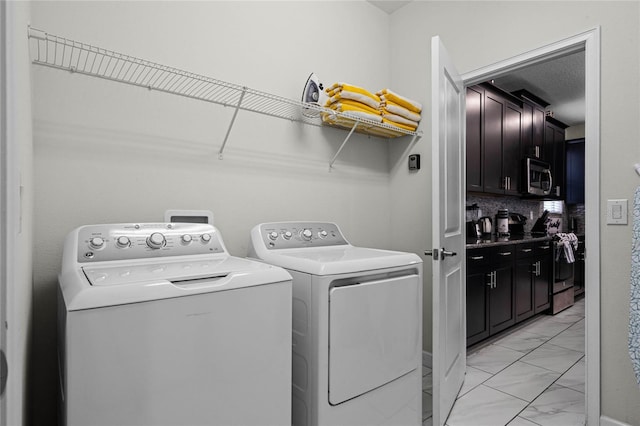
[[81, 58]]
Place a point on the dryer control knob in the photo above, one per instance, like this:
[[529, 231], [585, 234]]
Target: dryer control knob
[[123, 242], [322, 234], [287, 235], [205, 238], [96, 243], [156, 240], [186, 238], [273, 235], [307, 234]]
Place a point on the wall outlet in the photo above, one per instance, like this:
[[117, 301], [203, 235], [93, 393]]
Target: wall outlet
[[617, 212]]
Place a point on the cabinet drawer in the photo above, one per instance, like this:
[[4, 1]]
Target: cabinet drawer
[[478, 258], [543, 248], [490, 256], [525, 250]]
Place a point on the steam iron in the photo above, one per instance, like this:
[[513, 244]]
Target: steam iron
[[313, 93]]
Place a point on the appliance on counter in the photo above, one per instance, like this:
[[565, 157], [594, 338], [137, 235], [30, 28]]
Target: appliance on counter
[[158, 324], [563, 293], [473, 228], [536, 177], [502, 223], [485, 225], [357, 325], [516, 223]]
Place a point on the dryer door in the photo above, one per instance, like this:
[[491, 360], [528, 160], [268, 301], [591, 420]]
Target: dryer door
[[374, 335]]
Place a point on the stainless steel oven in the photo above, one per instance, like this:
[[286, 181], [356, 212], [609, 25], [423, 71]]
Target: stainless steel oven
[[562, 295]]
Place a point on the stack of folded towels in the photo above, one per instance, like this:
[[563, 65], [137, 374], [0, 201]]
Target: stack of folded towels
[[399, 111], [351, 101], [387, 107]]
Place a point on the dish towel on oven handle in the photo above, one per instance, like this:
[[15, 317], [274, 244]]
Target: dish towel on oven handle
[[634, 311], [570, 243]]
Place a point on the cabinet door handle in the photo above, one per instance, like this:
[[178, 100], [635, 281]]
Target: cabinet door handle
[[477, 257], [544, 247], [505, 253], [527, 250], [538, 268], [537, 150], [495, 281], [509, 182]]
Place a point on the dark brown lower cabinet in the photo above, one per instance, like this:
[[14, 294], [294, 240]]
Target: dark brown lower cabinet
[[525, 272], [490, 292], [505, 285], [477, 307]]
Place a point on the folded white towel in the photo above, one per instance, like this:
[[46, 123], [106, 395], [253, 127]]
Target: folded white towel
[[399, 119], [399, 110]]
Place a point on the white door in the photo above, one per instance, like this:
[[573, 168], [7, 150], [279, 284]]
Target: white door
[[449, 316]]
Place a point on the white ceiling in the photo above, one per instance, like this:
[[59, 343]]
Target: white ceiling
[[388, 6], [560, 82]]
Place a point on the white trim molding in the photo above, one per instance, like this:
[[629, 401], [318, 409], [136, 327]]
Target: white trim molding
[[608, 421], [589, 42]]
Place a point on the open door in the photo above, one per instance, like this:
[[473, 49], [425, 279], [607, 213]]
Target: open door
[[448, 168]]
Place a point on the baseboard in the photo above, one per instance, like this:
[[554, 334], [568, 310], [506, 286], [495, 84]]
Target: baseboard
[[608, 421], [427, 359]]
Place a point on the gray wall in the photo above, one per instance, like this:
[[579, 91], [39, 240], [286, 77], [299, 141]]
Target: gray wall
[[478, 34], [108, 152]]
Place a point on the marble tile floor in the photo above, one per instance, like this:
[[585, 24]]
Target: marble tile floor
[[532, 375]]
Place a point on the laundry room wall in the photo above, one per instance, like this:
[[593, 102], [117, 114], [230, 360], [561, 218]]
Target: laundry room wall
[[478, 34], [107, 152]]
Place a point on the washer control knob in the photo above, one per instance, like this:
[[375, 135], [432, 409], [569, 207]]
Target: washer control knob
[[273, 235], [287, 235], [186, 238], [123, 242], [205, 238], [322, 234], [307, 234], [96, 243], [156, 240]]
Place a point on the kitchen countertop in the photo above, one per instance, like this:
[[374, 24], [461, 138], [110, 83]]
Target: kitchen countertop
[[494, 240]]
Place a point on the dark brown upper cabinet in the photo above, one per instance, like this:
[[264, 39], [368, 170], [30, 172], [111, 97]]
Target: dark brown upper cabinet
[[494, 134]]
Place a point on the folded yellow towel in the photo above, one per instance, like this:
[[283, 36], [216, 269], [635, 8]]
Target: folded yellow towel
[[336, 87], [348, 105], [396, 109], [399, 119], [339, 94], [400, 125], [409, 104]]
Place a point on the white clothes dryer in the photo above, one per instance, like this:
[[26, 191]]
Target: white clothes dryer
[[159, 325], [357, 326]]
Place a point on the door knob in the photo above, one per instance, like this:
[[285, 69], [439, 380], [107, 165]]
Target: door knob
[[448, 253]]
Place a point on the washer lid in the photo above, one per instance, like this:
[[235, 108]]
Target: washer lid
[[117, 283], [338, 259]]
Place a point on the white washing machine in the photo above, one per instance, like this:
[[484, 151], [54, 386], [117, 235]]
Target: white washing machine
[[357, 326], [159, 325]]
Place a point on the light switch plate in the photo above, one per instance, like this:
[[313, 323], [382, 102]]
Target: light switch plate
[[617, 212]]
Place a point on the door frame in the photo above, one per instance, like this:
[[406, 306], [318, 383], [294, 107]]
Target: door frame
[[589, 41]]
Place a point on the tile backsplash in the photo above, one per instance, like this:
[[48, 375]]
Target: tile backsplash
[[531, 209]]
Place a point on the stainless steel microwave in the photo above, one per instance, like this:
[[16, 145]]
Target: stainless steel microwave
[[537, 177]]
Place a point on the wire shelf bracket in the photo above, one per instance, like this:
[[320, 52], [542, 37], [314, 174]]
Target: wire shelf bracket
[[81, 58]]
